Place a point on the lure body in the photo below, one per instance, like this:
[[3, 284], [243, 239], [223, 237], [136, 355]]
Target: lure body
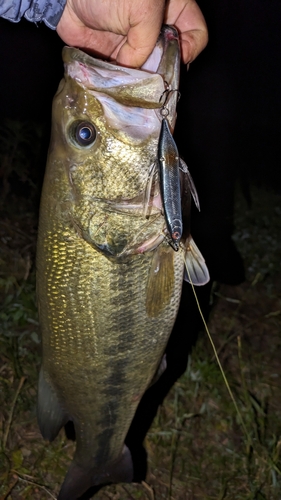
[[169, 169]]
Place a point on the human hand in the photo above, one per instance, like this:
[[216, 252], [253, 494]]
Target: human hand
[[127, 30], [187, 17]]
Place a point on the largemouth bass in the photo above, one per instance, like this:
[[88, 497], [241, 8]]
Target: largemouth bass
[[108, 279]]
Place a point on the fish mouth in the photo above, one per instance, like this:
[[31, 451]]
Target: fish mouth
[[165, 58], [162, 64], [101, 227], [165, 61]]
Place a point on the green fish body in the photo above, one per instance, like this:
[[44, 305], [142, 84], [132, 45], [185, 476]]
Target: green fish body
[[108, 281]]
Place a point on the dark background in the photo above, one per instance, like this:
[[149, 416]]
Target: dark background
[[228, 125], [230, 98], [31, 68]]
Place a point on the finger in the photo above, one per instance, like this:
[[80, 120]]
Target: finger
[[73, 32], [142, 37], [192, 43], [189, 20]]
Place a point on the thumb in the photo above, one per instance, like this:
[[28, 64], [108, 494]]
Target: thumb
[[141, 39]]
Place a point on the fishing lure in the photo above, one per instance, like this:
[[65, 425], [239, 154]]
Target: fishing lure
[[169, 170], [175, 180]]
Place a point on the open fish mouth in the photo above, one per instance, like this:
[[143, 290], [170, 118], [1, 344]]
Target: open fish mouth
[[131, 98], [129, 85]]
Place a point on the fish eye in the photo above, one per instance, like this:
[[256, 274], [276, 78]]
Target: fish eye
[[83, 133]]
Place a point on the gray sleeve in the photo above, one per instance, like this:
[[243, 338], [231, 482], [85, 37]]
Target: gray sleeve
[[49, 11]]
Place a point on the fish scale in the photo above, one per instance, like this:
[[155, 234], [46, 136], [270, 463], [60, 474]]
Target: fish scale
[[108, 281], [67, 331]]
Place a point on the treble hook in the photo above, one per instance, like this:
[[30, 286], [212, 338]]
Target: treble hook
[[166, 95]]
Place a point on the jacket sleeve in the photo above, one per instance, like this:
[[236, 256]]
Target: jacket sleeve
[[49, 11]]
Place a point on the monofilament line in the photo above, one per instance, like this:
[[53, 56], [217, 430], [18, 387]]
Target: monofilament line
[[219, 363]]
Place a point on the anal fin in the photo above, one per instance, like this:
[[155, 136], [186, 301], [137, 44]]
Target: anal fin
[[50, 415], [160, 370], [196, 271]]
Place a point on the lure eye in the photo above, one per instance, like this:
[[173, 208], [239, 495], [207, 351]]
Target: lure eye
[[83, 133]]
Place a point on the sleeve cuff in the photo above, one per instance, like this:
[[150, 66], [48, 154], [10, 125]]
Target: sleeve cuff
[[48, 11]]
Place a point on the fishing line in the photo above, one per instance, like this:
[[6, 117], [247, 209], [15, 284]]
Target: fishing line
[[218, 361]]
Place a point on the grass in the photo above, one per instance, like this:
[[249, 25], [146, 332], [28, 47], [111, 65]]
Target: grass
[[197, 447]]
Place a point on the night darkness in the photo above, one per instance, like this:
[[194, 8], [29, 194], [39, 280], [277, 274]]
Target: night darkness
[[228, 132], [230, 102]]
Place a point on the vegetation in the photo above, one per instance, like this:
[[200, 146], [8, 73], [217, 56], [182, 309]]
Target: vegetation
[[199, 447]]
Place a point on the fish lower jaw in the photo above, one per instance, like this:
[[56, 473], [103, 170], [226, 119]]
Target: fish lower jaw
[[157, 202], [134, 206], [151, 244], [134, 247]]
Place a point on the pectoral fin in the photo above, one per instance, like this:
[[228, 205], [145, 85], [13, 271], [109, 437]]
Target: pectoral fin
[[161, 281], [196, 271], [50, 415], [191, 185], [78, 480]]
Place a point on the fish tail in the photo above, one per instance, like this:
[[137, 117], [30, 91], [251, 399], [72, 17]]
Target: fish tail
[[78, 480]]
